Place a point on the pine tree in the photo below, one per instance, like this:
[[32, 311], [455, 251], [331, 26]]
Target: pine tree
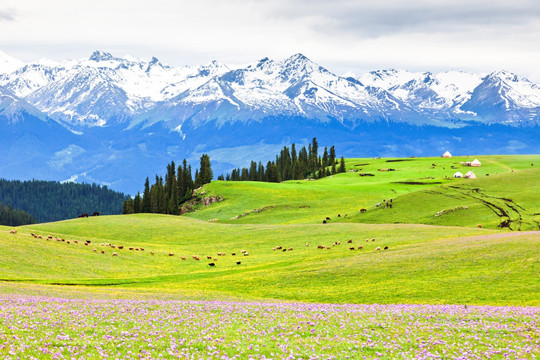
[[137, 203], [146, 206], [342, 165]]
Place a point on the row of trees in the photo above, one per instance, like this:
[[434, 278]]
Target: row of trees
[[14, 217], [52, 201], [165, 196], [291, 166]]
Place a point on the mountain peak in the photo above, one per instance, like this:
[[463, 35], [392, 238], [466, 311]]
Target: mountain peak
[[8, 63], [99, 55]]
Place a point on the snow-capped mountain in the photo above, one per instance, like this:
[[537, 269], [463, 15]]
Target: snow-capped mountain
[[105, 118], [104, 89], [8, 63]]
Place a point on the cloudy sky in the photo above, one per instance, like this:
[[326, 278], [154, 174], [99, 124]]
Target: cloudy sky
[[342, 35]]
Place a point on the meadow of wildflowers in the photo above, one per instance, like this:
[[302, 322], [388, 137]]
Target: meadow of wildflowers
[[40, 327]]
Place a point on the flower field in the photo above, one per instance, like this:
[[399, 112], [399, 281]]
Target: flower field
[[38, 327]]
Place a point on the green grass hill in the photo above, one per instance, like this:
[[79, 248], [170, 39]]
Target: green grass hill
[[431, 258]]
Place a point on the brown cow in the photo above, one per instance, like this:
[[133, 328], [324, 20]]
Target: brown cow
[[114, 254], [171, 254], [12, 231], [360, 247]]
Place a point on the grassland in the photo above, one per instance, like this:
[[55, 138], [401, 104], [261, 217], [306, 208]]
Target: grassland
[[432, 258], [285, 304], [424, 264], [507, 192]]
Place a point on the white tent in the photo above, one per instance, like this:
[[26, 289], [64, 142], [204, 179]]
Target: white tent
[[470, 175], [476, 163], [458, 175], [447, 155]]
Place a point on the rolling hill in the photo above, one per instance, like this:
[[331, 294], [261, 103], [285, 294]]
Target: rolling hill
[[435, 263]]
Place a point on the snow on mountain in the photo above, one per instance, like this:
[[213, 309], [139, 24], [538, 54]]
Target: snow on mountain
[[8, 63], [104, 89], [292, 87], [426, 92], [505, 98]]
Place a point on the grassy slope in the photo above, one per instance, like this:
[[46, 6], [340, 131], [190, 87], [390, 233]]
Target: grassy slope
[[424, 264], [312, 201]]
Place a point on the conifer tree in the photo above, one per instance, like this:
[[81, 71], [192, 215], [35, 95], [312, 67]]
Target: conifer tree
[[137, 203], [146, 206], [342, 165]]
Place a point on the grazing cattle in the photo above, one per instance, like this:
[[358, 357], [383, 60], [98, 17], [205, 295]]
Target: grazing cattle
[[171, 254], [307, 244], [327, 218], [136, 249], [360, 247], [142, 249], [114, 254], [68, 242], [196, 258], [131, 248], [290, 249], [243, 251], [95, 213], [338, 215], [215, 259], [113, 246], [349, 241], [221, 254], [378, 248], [363, 210], [183, 257], [94, 250], [209, 257], [284, 250], [85, 244], [121, 247], [75, 241], [324, 221], [88, 241], [320, 247], [246, 254], [233, 254], [373, 239], [12, 231], [386, 248], [238, 262], [211, 264], [151, 253], [479, 226], [103, 251], [83, 215], [351, 248], [49, 237]]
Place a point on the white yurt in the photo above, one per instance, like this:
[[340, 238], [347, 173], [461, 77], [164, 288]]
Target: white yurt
[[458, 175], [470, 175], [447, 155], [476, 163]]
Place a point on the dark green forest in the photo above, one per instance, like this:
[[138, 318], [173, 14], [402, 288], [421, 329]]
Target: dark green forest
[[52, 201], [290, 165], [14, 217], [165, 196]]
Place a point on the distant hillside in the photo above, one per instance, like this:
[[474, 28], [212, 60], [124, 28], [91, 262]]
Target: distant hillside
[[52, 201]]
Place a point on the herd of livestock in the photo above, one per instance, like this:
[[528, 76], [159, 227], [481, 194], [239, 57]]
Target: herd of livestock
[[100, 249]]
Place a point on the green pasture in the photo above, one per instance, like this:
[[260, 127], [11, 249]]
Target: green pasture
[[418, 187], [424, 264]]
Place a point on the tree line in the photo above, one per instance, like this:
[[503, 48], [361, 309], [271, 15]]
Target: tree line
[[290, 165], [14, 217], [53, 201], [166, 195]]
